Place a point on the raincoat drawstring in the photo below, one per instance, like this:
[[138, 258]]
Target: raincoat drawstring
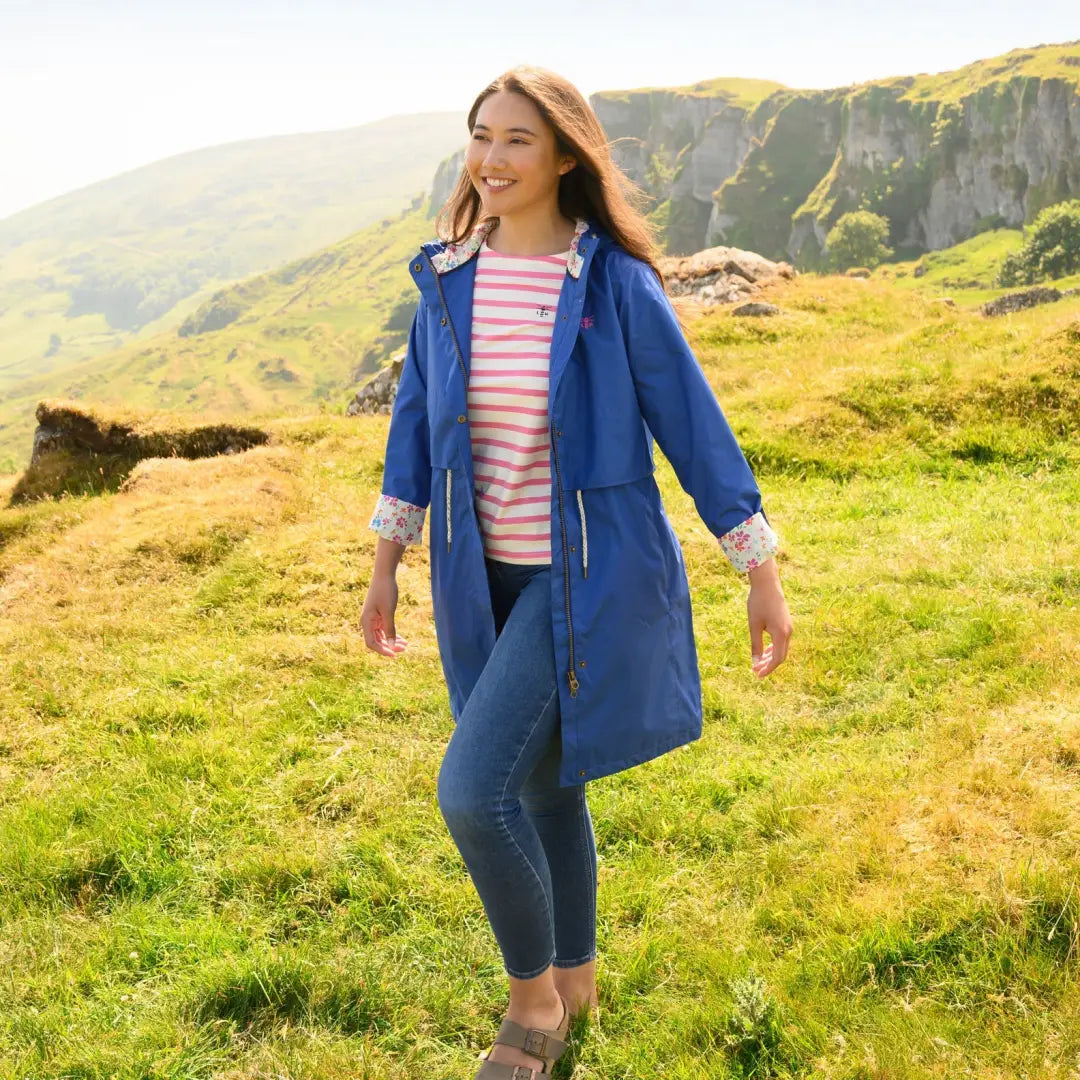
[[584, 536], [449, 529]]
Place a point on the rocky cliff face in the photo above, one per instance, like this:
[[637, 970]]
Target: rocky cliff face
[[943, 156], [446, 176], [942, 171], [678, 146]]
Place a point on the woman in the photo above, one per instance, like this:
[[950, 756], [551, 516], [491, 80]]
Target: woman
[[542, 361]]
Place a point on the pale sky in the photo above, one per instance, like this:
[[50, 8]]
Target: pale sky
[[92, 88]]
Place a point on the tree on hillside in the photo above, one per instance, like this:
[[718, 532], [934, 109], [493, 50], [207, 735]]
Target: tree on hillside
[[858, 239], [1052, 249]]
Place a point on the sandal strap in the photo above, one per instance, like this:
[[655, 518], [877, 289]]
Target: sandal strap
[[494, 1070], [539, 1042]]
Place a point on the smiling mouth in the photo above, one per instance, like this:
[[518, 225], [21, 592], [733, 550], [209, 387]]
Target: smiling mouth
[[498, 186]]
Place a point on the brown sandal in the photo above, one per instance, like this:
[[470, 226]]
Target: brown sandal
[[544, 1043]]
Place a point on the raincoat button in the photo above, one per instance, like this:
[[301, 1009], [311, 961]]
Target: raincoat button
[[416, 267], [581, 663], [461, 419], [572, 548], [558, 434], [581, 773], [442, 321]]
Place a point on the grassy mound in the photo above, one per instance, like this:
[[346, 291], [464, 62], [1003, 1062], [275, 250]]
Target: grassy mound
[[80, 449]]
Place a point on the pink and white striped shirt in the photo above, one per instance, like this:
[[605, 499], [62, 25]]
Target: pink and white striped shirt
[[513, 316]]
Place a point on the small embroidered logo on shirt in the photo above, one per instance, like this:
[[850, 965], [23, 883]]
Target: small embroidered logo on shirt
[[587, 322], [544, 312]]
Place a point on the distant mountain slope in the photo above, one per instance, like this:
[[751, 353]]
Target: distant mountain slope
[[85, 271], [942, 156], [301, 336], [748, 161]]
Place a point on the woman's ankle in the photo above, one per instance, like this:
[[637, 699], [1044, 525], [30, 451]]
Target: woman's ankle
[[577, 985], [536, 1002]]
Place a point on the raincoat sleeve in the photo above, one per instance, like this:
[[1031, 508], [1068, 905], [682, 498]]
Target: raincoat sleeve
[[682, 412], [406, 487]]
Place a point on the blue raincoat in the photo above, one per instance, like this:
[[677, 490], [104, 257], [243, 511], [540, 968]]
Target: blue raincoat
[[621, 374]]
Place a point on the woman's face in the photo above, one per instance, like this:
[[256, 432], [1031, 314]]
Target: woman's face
[[512, 141]]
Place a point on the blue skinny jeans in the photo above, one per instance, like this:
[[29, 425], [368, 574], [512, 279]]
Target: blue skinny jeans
[[527, 842]]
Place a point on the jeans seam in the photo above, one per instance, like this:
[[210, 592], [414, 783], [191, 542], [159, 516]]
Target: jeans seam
[[577, 962], [589, 864], [505, 828], [530, 974], [584, 848]]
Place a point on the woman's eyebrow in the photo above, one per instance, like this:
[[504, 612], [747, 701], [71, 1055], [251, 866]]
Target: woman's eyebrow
[[524, 131]]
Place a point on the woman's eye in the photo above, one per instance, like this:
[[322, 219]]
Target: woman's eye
[[480, 138]]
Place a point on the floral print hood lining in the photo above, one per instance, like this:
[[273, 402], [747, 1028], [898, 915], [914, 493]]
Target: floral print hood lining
[[453, 255]]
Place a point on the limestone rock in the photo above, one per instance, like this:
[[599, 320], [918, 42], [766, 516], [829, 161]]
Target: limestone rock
[[720, 275], [378, 394], [756, 308]]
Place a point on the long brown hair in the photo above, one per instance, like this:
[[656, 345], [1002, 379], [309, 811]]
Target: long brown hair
[[596, 188]]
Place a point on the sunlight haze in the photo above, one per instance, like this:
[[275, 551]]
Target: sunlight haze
[[93, 89]]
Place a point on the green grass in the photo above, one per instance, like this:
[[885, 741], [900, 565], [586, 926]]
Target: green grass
[[967, 271], [220, 847], [1061, 61], [738, 93]]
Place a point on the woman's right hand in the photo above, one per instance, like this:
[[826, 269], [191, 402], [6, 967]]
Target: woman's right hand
[[377, 618]]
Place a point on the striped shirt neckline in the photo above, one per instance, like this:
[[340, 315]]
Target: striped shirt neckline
[[561, 257], [515, 298]]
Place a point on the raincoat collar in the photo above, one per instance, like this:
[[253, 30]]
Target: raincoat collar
[[453, 255]]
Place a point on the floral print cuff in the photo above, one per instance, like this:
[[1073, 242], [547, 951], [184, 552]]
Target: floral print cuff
[[750, 544], [398, 520]]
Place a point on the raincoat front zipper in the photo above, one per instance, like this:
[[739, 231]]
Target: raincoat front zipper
[[571, 678], [464, 375]]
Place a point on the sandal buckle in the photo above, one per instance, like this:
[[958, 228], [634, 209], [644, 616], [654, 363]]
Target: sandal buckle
[[536, 1043], [522, 1072]]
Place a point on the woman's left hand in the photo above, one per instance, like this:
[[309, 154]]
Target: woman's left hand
[[766, 610]]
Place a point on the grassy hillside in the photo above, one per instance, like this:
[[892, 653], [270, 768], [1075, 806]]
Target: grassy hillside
[[1061, 61], [967, 272], [88, 271], [301, 337], [219, 839], [743, 93]]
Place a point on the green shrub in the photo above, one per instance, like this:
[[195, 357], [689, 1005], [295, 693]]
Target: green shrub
[[1052, 249], [858, 239]]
